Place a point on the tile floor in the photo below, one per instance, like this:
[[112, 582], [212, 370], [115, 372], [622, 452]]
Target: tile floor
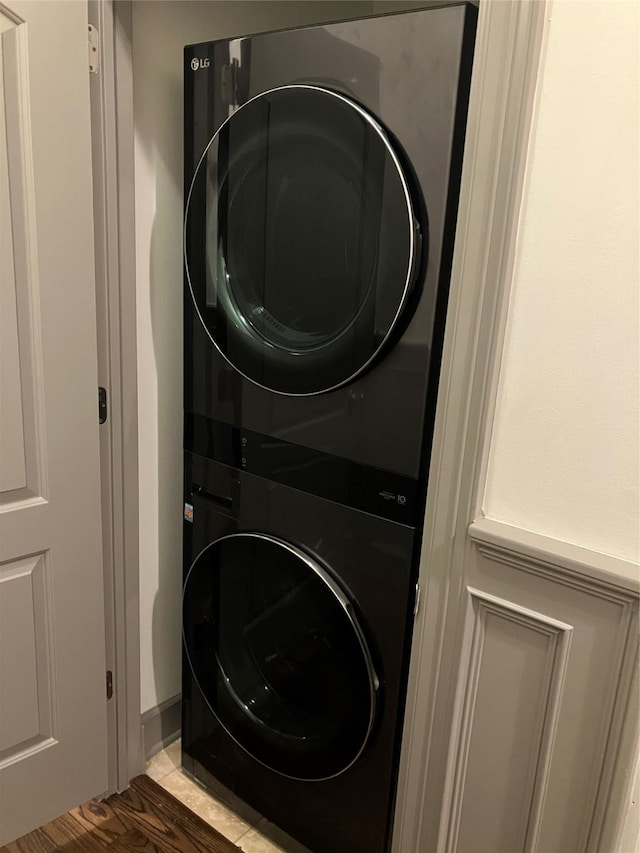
[[251, 838]]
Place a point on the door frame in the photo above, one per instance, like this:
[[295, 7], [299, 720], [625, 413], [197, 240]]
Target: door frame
[[114, 225], [510, 44]]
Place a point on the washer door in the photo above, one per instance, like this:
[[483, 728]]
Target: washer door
[[278, 654], [301, 242]]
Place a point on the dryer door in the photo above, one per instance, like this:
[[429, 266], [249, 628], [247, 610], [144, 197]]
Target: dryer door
[[278, 654], [301, 243]]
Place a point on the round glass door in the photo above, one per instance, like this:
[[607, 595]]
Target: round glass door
[[278, 654], [301, 243]]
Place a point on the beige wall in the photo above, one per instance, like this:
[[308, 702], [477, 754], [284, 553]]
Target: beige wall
[[160, 30], [564, 453]]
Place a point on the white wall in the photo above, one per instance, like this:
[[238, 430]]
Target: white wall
[[160, 30], [564, 452]]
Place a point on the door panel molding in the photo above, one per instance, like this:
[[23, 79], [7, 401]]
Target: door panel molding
[[22, 377], [29, 661]]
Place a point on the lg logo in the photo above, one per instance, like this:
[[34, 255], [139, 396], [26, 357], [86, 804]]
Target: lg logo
[[199, 63]]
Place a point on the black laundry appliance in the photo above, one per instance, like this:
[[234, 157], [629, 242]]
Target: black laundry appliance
[[322, 169]]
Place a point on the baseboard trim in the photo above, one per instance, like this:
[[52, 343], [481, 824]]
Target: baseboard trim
[[160, 726]]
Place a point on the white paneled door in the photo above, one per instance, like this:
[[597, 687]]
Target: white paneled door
[[52, 658]]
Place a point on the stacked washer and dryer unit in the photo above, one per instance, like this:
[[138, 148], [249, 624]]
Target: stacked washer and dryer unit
[[322, 169]]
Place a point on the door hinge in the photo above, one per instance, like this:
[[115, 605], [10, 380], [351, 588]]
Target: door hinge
[[94, 50], [102, 405], [416, 604], [109, 684]]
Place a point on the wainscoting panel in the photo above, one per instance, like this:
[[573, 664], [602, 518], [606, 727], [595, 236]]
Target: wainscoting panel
[[543, 694], [515, 671]]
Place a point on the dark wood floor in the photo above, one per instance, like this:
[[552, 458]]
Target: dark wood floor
[[143, 819]]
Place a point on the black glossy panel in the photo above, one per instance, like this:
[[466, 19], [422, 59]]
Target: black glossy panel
[[373, 559], [278, 656], [373, 490], [300, 239], [418, 93], [411, 72]]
